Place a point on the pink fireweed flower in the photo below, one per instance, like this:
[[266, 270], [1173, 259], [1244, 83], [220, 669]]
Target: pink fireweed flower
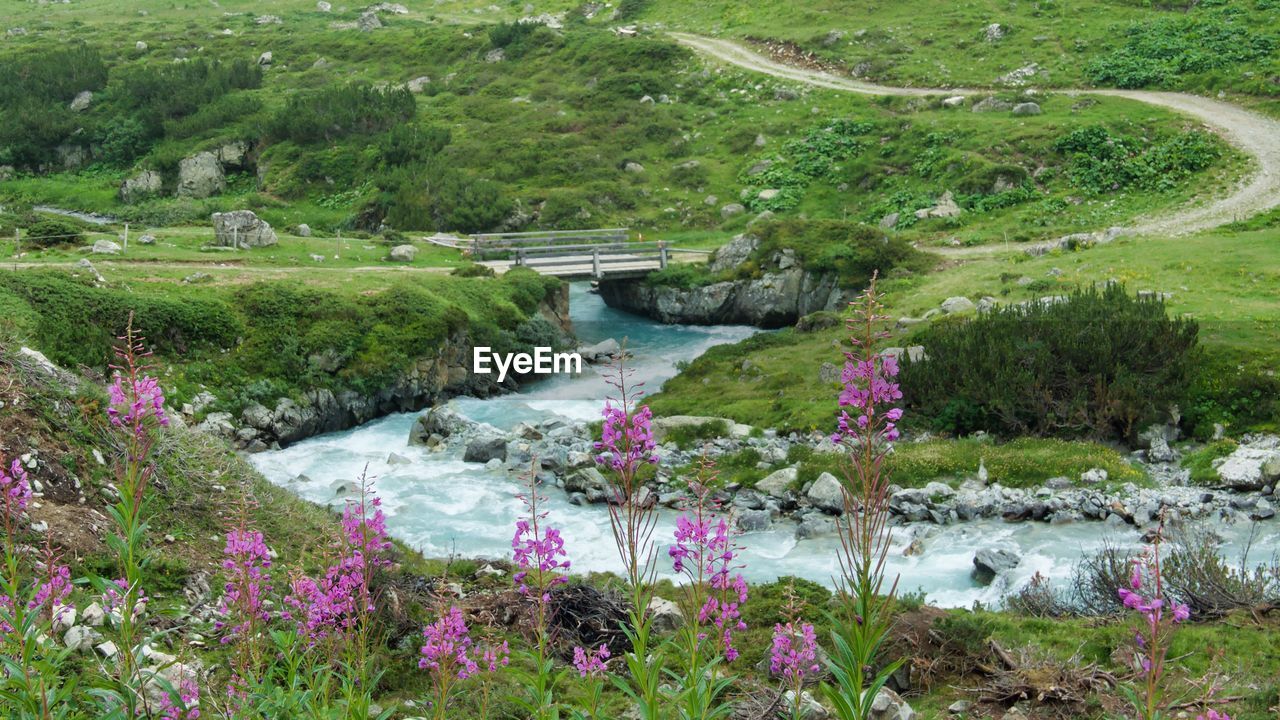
[[334, 603], [365, 527], [868, 388], [134, 400], [496, 656], [794, 653], [247, 561], [186, 708], [1213, 715], [537, 551], [16, 490], [591, 663], [704, 552], [447, 647], [626, 442], [53, 587]]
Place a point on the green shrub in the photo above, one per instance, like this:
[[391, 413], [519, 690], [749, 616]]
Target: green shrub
[[338, 111], [1101, 161], [683, 276], [51, 232], [1158, 51], [1099, 364], [851, 250]]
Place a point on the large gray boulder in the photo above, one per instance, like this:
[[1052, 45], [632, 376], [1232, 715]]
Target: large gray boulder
[[442, 421], [666, 615], [827, 493], [485, 448], [234, 154], [887, 705], [404, 253], [81, 101], [778, 483], [1026, 108], [1251, 466], [141, 186], [733, 253], [992, 104], [106, 247], [775, 299], [958, 304], [946, 207], [242, 228], [200, 176], [989, 562]]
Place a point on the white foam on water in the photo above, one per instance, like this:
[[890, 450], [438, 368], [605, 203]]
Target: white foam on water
[[443, 506]]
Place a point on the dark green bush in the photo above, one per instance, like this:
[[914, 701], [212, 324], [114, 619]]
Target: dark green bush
[[1099, 364], [78, 323], [1102, 161], [851, 250], [338, 111], [51, 232], [1159, 51]]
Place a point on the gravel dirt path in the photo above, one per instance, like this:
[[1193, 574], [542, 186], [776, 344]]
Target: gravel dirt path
[[1256, 135]]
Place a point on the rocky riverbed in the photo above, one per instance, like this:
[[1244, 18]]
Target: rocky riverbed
[[560, 452]]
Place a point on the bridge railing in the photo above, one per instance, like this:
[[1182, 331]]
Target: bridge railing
[[601, 256], [508, 241]]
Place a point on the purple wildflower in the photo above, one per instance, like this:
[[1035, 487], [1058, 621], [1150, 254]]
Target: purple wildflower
[[447, 644], [537, 551], [53, 588], [591, 663], [16, 490], [336, 602], [704, 552], [626, 442], [794, 654], [134, 400], [114, 597], [247, 561], [186, 708], [496, 656]]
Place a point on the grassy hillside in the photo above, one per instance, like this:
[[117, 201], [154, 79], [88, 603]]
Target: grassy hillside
[[526, 126], [254, 340], [1206, 47]]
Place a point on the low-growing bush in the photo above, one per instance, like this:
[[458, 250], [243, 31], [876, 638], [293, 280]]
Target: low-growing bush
[[1096, 364], [52, 232], [338, 111], [851, 250], [1102, 161]]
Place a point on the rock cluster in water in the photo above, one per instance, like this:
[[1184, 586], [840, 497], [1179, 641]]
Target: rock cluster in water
[[561, 453]]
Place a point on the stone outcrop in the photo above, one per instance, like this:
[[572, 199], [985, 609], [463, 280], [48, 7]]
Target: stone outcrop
[[242, 228], [141, 186], [783, 293], [200, 176]]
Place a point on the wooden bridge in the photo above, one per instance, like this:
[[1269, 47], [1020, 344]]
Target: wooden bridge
[[574, 254]]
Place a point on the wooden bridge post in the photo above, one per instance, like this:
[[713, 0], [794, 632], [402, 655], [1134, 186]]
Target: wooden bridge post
[[519, 256], [662, 254], [595, 262]]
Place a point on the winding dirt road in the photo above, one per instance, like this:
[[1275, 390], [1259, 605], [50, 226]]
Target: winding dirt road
[[1258, 136]]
